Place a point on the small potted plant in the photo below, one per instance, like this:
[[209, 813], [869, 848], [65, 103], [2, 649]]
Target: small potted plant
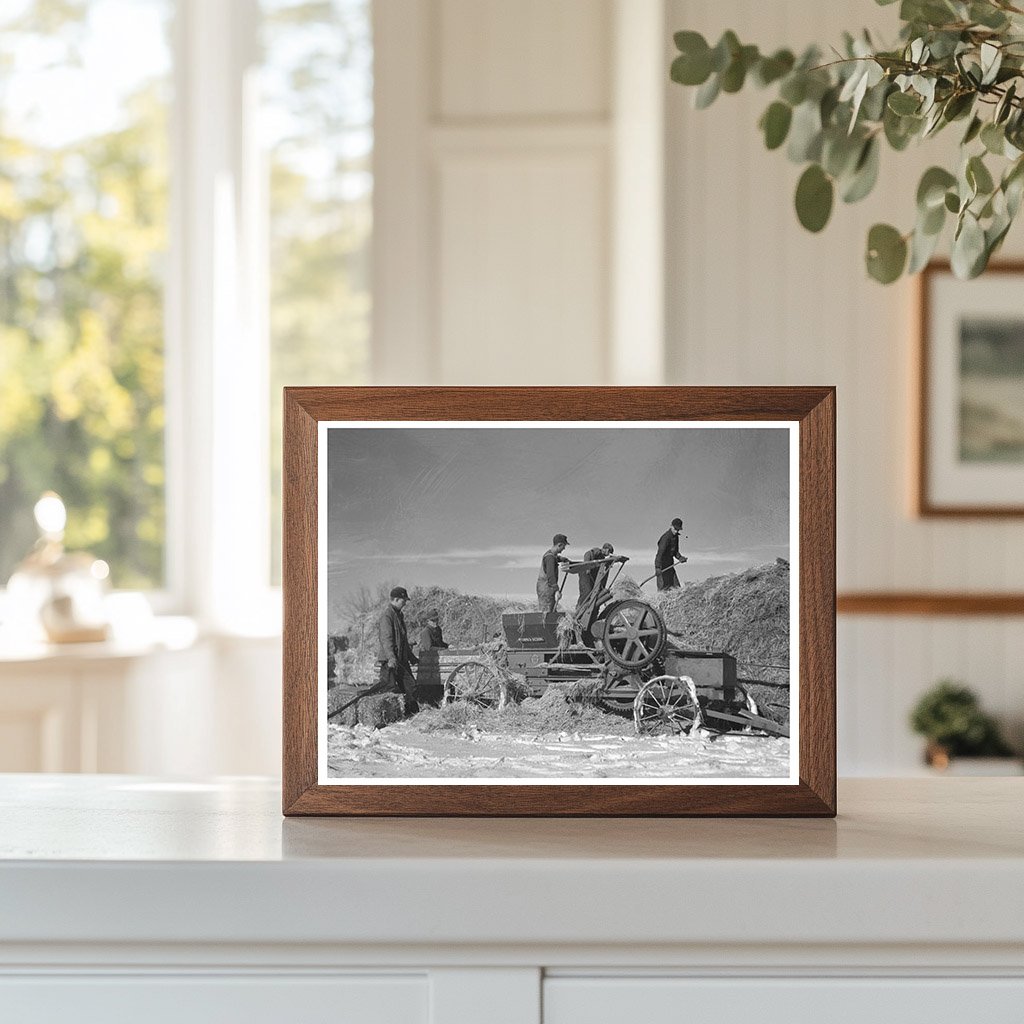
[[950, 718]]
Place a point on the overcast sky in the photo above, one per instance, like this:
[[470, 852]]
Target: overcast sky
[[475, 509]]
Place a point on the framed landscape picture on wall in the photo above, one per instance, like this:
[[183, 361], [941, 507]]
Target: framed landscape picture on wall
[[970, 450], [559, 601]]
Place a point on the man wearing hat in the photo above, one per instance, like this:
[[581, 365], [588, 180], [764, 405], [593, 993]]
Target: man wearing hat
[[668, 555], [588, 577], [547, 581], [430, 634], [393, 651]]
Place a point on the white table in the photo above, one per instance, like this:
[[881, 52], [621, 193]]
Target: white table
[[197, 902]]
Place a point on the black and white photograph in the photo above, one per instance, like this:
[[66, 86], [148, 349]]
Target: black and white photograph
[[549, 603]]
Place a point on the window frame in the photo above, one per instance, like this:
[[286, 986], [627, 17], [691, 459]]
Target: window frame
[[217, 346]]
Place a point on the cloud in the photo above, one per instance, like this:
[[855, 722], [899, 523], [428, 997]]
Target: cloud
[[501, 557], [526, 557]]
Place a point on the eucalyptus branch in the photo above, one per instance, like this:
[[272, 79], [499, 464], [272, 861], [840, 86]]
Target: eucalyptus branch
[[833, 117]]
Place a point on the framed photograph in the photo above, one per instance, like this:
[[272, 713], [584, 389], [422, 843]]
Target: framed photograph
[[970, 450], [559, 601]]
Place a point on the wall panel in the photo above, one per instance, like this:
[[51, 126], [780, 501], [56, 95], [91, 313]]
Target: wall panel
[[530, 58], [518, 273]]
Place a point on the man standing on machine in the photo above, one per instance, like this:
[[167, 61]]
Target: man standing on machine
[[547, 581], [588, 577], [668, 556]]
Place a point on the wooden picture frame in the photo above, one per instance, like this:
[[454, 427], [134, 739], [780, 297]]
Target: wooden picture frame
[[808, 413], [955, 476]]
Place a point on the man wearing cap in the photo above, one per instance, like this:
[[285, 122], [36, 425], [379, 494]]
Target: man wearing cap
[[547, 581], [430, 634], [393, 651], [668, 555], [588, 577]]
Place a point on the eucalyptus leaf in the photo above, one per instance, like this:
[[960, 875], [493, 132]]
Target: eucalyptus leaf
[[886, 253], [922, 248], [904, 103], [993, 138], [968, 247], [987, 15], [794, 88], [865, 174], [873, 106], [735, 74], [933, 122], [691, 69], [991, 60], [805, 133], [952, 202], [973, 129], [932, 221], [840, 152], [1005, 105], [1014, 191], [900, 130], [827, 106], [724, 51], [931, 190], [771, 69], [814, 195], [958, 105], [978, 176], [707, 93], [775, 124]]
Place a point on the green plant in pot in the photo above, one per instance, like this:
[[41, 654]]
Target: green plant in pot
[[950, 718], [956, 62]]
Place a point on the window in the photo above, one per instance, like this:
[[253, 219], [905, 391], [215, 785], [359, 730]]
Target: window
[[317, 117], [167, 264], [83, 237]]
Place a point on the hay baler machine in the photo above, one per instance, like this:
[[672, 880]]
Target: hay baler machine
[[616, 651]]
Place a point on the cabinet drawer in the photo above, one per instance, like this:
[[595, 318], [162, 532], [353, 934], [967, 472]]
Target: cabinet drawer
[[660, 1000], [202, 999]]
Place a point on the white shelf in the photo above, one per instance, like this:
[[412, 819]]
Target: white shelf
[[914, 896]]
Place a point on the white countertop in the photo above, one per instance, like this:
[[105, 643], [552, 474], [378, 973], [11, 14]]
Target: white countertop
[[123, 859]]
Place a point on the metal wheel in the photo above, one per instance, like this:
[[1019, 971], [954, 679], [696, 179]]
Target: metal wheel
[[634, 634], [666, 704], [477, 683]]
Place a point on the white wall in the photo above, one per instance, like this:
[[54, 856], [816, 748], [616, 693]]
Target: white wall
[[501, 132], [754, 299]]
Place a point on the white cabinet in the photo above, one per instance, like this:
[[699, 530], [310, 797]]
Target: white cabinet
[[202, 999], [823, 1000], [132, 898]]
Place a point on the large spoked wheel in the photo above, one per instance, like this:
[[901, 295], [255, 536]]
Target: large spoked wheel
[[476, 683], [666, 704], [634, 634]]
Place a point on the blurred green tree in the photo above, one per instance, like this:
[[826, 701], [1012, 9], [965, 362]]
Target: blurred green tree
[[318, 112], [83, 228], [83, 238]]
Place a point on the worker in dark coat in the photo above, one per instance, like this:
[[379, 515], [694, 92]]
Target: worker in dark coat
[[588, 577], [394, 653], [547, 581], [430, 635], [668, 556]]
